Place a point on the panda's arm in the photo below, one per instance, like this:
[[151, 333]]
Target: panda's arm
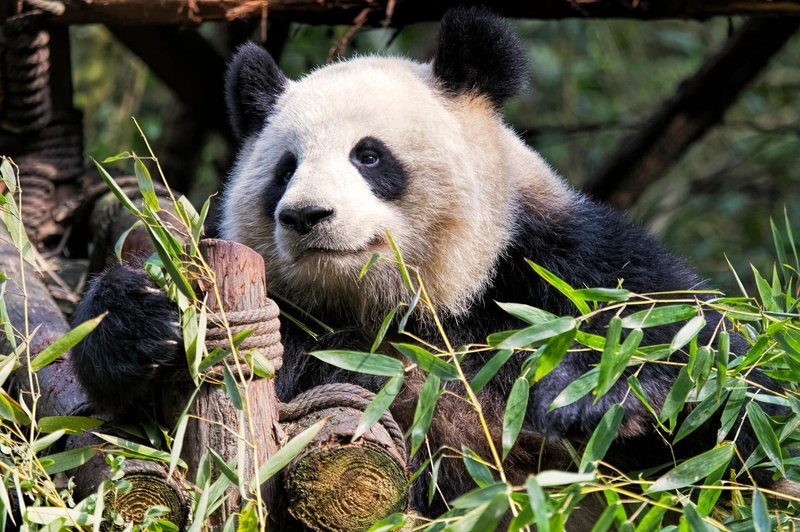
[[134, 348]]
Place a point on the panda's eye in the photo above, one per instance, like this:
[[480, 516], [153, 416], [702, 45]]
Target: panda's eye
[[285, 168], [368, 158]]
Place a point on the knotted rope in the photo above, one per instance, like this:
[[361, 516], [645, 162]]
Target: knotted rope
[[339, 395], [265, 335], [26, 75]]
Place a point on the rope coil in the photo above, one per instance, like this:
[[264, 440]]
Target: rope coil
[[26, 75], [265, 335], [339, 395]]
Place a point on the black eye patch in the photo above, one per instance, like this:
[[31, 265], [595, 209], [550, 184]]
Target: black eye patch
[[380, 168], [281, 175]]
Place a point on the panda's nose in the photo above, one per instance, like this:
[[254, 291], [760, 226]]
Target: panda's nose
[[303, 220]]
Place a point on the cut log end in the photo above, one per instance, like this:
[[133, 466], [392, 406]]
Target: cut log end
[[147, 491], [345, 487]]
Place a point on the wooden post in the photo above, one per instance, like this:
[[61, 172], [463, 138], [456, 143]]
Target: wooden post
[[215, 423]]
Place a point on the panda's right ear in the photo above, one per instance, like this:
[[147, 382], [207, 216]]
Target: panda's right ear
[[253, 84]]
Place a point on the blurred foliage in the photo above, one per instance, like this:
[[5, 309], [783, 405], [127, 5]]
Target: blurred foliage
[[593, 82]]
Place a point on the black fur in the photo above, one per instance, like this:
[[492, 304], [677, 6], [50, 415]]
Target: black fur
[[135, 346], [479, 51], [387, 178], [281, 175], [253, 84]]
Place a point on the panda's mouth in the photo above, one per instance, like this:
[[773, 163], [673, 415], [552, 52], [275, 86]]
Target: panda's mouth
[[376, 243]]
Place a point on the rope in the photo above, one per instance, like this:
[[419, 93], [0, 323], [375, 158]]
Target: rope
[[26, 75], [265, 335], [339, 395]]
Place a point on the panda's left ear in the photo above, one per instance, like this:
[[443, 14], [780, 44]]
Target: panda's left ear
[[480, 52], [253, 84]]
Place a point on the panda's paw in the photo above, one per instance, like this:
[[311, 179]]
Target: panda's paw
[[137, 343]]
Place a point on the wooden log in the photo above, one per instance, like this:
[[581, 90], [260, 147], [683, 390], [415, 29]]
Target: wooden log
[[150, 485], [57, 393], [215, 423], [336, 483], [406, 11]]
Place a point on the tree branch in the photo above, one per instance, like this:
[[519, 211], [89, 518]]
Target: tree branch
[[405, 11], [701, 101]]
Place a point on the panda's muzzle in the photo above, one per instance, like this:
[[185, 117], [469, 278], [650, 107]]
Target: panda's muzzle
[[303, 220]]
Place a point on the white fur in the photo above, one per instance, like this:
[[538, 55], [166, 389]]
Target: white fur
[[467, 175]]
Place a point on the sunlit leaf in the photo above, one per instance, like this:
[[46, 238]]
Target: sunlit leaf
[[514, 414], [694, 469], [380, 404], [369, 363], [286, 454], [65, 343], [601, 438], [656, 316], [427, 362]]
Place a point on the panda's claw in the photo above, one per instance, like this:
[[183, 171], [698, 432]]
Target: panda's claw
[[137, 344]]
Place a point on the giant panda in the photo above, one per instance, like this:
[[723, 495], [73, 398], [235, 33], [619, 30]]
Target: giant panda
[[331, 161]]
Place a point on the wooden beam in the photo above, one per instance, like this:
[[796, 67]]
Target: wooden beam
[[406, 11], [186, 63], [700, 102]]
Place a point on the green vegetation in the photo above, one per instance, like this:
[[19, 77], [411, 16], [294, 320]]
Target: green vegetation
[[701, 493]]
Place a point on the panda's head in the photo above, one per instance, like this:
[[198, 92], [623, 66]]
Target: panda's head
[[329, 163]]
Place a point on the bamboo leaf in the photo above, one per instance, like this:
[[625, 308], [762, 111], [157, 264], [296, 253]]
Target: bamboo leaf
[[138, 449], [400, 263], [427, 362], [527, 313], [732, 409], [70, 424], [65, 343], [657, 316], [369, 363], [677, 395], [688, 332], [514, 415], [553, 353], [391, 522], [490, 369], [479, 472], [601, 438], [423, 413], [372, 260], [286, 454], [380, 404], [117, 191], [694, 469], [40, 444], [695, 520], [765, 435], [66, 460], [603, 294], [231, 387], [699, 415], [259, 363], [538, 503], [761, 519], [576, 390], [387, 321], [550, 478], [145, 183], [537, 334], [561, 286]]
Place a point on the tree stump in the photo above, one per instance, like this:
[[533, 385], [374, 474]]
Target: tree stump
[[336, 483], [215, 423]]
